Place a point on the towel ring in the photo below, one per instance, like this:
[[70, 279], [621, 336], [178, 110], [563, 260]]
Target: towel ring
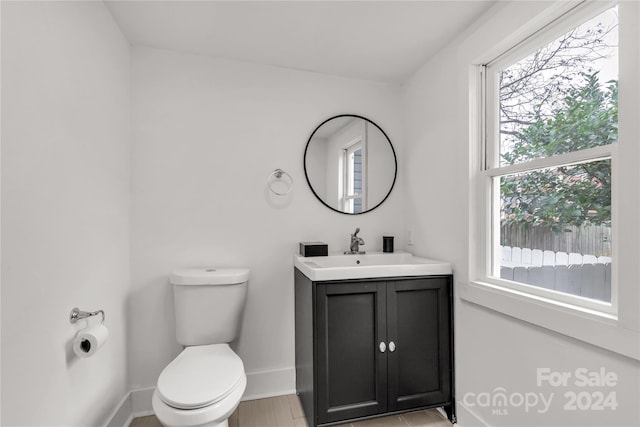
[[278, 174]]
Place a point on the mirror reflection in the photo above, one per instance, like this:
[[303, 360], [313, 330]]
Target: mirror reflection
[[350, 164]]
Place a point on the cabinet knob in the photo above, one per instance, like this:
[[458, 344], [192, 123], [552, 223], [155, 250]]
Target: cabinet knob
[[392, 346], [382, 347]]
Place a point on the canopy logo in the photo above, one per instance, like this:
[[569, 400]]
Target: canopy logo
[[500, 400], [585, 390]]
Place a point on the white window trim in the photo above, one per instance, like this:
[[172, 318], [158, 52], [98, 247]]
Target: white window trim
[[345, 171], [611, 326], [491, 237]]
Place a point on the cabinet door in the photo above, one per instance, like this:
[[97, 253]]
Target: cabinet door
[[351, 369], [418, 325]]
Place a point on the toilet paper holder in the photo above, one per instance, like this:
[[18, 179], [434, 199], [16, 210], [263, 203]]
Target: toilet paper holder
[[77, 314]]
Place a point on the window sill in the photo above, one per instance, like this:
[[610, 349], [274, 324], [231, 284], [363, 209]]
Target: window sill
[[599, 329]]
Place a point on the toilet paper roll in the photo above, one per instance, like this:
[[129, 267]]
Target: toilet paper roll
[[89, 340]]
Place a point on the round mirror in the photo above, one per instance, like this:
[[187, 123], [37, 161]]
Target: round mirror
[[350, 164]]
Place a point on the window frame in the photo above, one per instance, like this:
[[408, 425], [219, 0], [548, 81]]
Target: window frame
[[347, 174], [491, 170], [617, 330]]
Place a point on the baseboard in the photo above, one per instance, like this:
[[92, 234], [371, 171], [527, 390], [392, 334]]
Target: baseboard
[[469, 417], [265, 384], [260, 385], [122, 415], [141, 402]]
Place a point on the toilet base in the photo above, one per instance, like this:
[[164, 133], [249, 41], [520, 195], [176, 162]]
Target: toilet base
[[224, 423]]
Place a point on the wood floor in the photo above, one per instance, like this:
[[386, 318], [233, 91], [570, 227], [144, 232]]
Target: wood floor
[[285, 411]]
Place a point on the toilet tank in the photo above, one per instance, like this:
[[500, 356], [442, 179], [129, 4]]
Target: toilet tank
[[208, 304]]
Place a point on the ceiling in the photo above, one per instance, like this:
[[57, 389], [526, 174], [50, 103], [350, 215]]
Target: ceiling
[[373, 40]]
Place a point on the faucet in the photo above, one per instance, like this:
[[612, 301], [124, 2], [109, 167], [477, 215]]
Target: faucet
[[354, 247]]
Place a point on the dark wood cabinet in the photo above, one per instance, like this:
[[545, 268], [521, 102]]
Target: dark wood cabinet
[[367, 348], [351, 374]]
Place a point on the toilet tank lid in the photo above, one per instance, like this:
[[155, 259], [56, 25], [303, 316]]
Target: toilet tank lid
[[209, 276]]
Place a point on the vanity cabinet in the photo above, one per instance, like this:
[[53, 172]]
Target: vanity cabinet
[[370, 347]]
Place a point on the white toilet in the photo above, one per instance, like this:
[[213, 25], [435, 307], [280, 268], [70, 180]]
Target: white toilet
[[203, 385]]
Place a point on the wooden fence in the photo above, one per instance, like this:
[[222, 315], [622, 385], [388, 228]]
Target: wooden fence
[[592, 239], [585, 275]]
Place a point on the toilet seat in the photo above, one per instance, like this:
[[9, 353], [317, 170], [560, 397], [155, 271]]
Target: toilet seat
[[212, 415], [200, 376]]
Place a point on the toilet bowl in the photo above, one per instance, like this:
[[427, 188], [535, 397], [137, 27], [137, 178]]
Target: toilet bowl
[[203, 385], [200, 387]]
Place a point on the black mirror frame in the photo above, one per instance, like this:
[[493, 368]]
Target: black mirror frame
[[395, 161]]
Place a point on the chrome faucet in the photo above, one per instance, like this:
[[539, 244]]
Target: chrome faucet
[[354, 247]]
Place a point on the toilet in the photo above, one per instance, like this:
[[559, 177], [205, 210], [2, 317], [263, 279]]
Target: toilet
[[203, 385]]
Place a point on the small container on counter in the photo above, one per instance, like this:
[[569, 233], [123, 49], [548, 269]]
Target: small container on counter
[[313, 249], [387, 243]]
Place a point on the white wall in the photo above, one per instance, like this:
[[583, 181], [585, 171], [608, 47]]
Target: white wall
[[316, 164], [65, 209], [492, 350], [381, 168], [207, 134]]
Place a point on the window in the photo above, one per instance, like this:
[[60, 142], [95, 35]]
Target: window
[[353, 175], [551, 127], [353, 178]]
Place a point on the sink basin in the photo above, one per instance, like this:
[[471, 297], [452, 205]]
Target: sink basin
[[370, 265]]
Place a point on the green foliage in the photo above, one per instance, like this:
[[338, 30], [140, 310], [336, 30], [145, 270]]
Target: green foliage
[[571, 195]]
